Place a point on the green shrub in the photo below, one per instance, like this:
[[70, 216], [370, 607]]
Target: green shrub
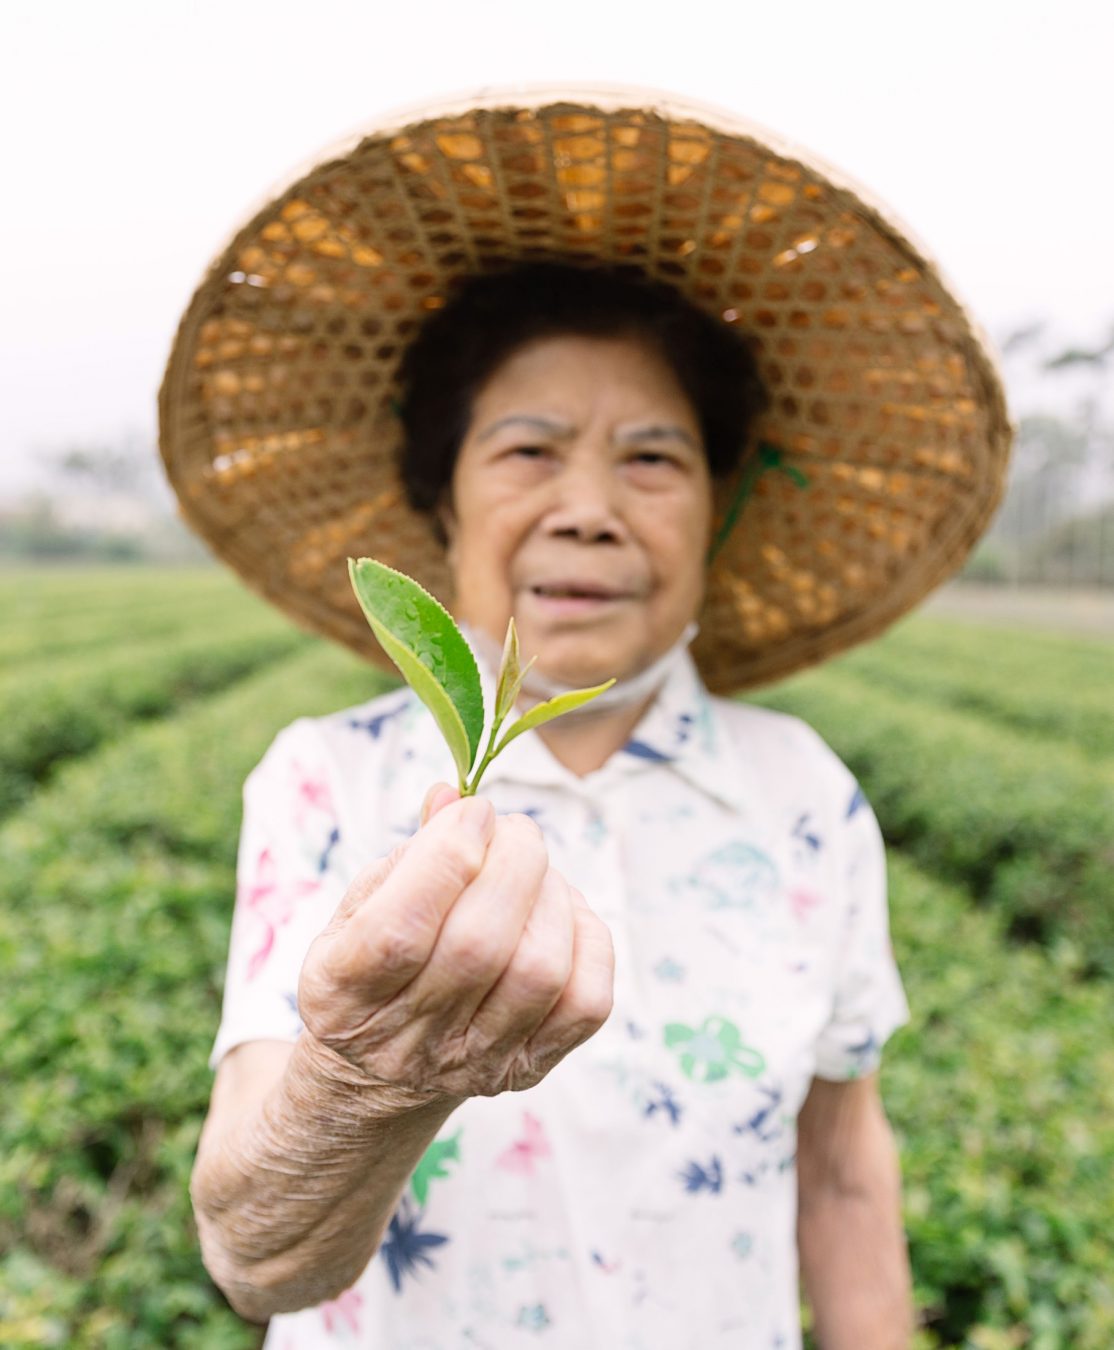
[[34, 595], [1001, 1093], [51, 614], [116, 888], [1023, 823], [1039, 684], [71, 706]]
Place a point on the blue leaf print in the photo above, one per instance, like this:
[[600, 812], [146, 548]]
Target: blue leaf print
[[864, 1052], [404, 1247], [375, 724], [757, 1123], [330, 844], [802, 833], [641, 750], [667, 1103], [697, 1178], [608, 1267], [858, 799]]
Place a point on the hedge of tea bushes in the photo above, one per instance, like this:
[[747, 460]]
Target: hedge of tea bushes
[[28, 594], [63, 708], [89, 635], [1024, 824], [1001, 1091], [1038, 684], [115, 898], [116, 888], [47, 611]]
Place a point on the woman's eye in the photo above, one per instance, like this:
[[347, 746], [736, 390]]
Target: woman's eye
[[528, 451], [651, 457]]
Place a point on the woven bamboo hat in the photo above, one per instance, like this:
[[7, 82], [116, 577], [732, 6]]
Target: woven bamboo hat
[[875, 470]]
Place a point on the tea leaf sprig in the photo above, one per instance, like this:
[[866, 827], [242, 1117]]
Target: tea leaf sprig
[[433, 656]]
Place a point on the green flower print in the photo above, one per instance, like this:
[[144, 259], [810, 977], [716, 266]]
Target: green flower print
[[714, 1051], [431, 1165]]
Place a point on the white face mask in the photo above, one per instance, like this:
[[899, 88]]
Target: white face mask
[[622, 694]]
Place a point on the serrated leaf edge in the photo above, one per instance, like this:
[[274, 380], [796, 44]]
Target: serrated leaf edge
[[472, 744]]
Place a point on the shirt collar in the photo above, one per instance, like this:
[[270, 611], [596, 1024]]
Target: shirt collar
[[682, 732]]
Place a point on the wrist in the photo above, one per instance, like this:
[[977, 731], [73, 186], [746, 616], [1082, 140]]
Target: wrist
[[317, 1068]]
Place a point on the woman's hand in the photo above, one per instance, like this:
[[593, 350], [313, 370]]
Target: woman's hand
[[462, 964]]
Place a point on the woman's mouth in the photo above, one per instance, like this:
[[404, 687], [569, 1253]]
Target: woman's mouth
[[573, 598]]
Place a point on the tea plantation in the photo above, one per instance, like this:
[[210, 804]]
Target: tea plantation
[[134, 706]]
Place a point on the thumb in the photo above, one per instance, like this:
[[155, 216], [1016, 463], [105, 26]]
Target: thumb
[[438, 797], [372, 876]]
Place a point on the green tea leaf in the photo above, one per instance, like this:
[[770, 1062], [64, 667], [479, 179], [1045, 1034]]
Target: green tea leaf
[[421, 638], [511, 675], [551, 708]]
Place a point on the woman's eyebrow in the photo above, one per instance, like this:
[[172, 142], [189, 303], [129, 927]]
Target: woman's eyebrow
[[546, 425], [656, 433]]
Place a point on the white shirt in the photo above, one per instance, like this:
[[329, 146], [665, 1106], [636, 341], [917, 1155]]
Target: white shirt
[[643, 1195]]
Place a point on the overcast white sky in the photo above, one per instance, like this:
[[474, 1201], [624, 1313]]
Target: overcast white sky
[[136, 134]]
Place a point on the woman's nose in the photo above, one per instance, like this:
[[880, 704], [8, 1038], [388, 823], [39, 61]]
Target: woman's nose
[[585, 506]]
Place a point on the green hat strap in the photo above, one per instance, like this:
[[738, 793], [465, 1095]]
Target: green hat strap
[[768, 457]]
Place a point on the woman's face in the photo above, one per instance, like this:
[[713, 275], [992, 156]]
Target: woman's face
[[581, 504]]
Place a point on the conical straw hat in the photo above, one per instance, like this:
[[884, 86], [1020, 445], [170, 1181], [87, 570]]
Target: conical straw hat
[[875, 470]]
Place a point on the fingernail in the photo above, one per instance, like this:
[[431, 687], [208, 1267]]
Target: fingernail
[[477, 813]]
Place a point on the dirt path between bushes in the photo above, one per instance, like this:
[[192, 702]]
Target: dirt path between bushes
[[1088, 612]]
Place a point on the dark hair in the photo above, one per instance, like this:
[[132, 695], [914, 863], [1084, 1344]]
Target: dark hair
[[460, 346]]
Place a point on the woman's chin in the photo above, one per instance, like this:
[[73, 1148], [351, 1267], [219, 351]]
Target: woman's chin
[[585, 669]]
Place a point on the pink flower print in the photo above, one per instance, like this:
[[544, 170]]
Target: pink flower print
[[801, 902], [271, 903], [312, 793], [523, 1153], [347, 1306]]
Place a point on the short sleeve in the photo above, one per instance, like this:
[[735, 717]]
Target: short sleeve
[[288, 884], [869, 1001]]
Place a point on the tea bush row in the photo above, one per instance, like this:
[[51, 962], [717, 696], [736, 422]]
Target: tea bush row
[[1024, 824], [1001, 1093], [27, 593], [1040, 686], [71, 706], [115, 898], [28, 648], [116, 889], [43, 600], [1000, 1090]]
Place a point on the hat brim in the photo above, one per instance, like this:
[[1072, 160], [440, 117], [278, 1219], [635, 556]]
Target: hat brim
[[277, 427]]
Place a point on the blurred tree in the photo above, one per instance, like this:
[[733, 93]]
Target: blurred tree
[[128, 468]]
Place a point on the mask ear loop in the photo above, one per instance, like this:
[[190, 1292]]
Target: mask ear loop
[[769, 457]]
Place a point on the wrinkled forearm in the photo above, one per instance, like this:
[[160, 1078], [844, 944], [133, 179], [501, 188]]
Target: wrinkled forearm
[[291, 1201]]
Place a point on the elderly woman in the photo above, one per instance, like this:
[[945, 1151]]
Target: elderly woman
[[591, 1059]]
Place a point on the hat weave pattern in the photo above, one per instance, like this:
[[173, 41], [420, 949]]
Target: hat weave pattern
[[885, 443]]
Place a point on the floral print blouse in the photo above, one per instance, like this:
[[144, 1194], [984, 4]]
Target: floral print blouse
[[643, 1195]]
